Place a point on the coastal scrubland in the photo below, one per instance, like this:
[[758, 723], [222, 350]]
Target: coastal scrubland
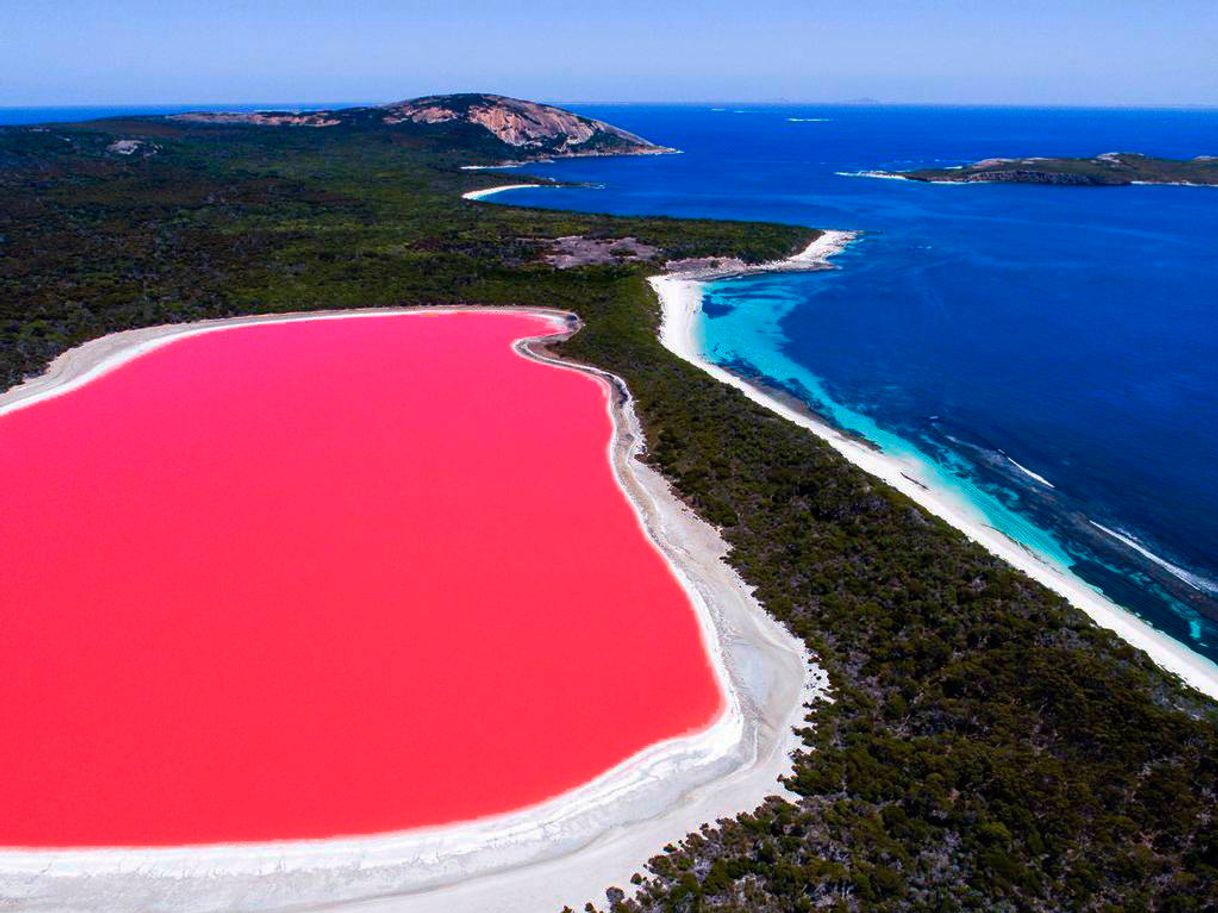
[[986, 747]]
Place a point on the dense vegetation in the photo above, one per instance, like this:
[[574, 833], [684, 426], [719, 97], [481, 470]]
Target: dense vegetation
[[987, 748], [1111, 169]]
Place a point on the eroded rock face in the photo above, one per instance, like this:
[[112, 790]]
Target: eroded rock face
[[527, 126], [518, 123]]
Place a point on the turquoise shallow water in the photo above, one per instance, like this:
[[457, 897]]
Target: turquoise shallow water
[[743, 330], [1072, 332]]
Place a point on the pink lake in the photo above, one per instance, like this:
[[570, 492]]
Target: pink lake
[[325, 577]]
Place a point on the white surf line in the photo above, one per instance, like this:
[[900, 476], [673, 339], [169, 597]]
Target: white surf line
[[681, 302], [879, 175], [1170, 184], [900, 176], [1197, 582], [566, 850], [486, 192], [1029, 473]]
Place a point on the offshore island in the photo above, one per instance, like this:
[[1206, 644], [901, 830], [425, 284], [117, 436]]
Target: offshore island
[[1111, 169], [981, 743]]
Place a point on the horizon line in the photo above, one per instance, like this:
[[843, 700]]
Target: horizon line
[[769, 102]]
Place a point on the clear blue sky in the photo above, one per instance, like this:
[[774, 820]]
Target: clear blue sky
[[1112, 52]]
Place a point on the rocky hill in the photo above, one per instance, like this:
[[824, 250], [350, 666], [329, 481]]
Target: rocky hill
[[510, 127]]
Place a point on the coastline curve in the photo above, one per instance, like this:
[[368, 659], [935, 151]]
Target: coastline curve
[[680, 296]]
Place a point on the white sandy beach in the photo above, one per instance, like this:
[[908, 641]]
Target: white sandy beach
[[564, 851], [488, 191], [681, 302]]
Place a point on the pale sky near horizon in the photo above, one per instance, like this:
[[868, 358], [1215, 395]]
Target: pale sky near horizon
[[1051, 52]]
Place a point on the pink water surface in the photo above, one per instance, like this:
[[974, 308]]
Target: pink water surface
[[325, 577]]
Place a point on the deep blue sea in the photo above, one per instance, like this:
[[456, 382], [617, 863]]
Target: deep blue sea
[[1069, 331]]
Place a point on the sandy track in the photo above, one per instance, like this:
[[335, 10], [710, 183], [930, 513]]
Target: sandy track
[[564, 851]]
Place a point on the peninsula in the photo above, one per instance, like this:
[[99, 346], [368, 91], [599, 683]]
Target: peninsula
[[1111, 169]]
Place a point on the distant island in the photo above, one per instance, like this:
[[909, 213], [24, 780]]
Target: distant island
[[1112, 169], [494, 124]]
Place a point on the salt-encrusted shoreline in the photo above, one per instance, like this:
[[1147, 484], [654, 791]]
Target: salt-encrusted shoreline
[[564, 851], [681, 302]]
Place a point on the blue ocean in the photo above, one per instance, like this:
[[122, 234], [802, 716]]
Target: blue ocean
[[1051, 353]]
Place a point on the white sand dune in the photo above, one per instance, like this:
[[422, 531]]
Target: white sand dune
[[564, 851]]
